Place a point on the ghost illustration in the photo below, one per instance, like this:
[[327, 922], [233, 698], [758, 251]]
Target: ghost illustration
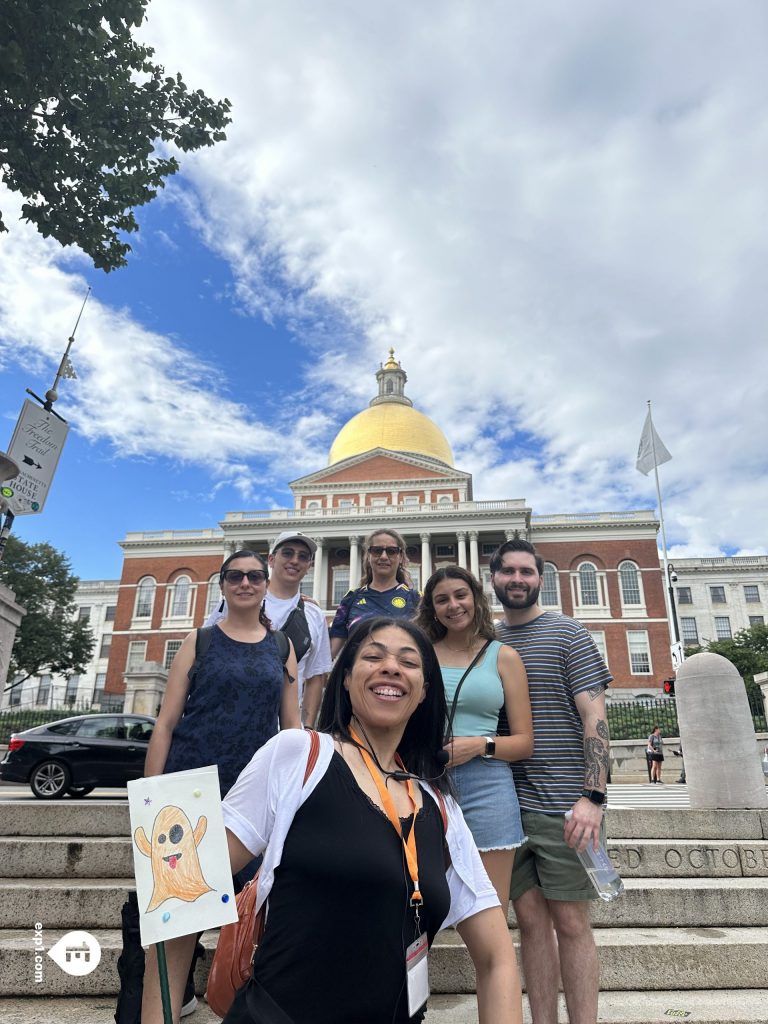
[[176, 870]]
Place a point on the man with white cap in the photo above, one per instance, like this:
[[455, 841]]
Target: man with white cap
[[290, 559]]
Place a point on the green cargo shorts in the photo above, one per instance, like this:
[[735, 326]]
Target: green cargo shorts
[[548, 863]]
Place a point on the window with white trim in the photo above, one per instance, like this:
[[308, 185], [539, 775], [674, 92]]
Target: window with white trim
[[84, 613], [723, 627], [171, 649], [411, 499], [145, 598], [630, 585], [588, 589], [445, 499], [180, 598], [137, 654], [639, 652], [378, 502], [689, 629], [70, 694], [488, 549], [98, 688], [757, 620], [550, 587], [717, 595], [214, 595], [599, 638], [313, 504], [106, 645], [109, 614], [445, 550], [307, 585], [751, 593], [340, 583], [683, 595], [44, 689]]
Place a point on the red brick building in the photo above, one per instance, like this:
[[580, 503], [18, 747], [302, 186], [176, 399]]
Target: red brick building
[[390, 464]]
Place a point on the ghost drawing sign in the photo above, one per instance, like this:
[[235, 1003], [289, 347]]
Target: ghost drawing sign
[[183, 882]]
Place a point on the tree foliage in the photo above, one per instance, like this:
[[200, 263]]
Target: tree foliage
[[748, 651], [82, 107], [50, 637]]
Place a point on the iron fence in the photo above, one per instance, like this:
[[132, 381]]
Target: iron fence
[[634, 720], [17, 720]]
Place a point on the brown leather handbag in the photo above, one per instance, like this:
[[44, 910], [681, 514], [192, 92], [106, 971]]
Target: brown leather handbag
[[233, 960]]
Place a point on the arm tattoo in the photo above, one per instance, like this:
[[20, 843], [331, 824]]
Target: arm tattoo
[[596, 762], [595, 691], [602, 729]]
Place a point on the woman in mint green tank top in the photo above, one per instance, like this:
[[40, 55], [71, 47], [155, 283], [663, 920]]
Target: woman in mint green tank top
[[455, 615]]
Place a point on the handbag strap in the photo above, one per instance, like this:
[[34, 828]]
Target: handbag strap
[[312, 756], [472, 664]]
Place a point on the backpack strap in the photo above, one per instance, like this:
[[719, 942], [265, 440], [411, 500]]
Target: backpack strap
[[443, 809], [202, 643], [314, 751]]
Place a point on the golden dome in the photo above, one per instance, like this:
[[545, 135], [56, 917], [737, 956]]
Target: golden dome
[[394, 426]]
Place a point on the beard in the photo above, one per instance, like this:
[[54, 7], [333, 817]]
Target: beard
[[518, 600]]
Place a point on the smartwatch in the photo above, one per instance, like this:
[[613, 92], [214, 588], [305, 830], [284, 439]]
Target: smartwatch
[[490, 747], [595, 796]]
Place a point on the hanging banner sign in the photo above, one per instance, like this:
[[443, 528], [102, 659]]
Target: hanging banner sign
[[35, 446]]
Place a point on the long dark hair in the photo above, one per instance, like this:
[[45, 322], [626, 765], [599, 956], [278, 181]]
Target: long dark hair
[[483, 620], [423, 738], [247, 553]]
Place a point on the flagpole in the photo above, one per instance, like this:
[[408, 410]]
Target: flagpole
[[65, 367], [671, 620]]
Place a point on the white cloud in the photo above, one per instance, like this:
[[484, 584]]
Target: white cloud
[[553, 215]]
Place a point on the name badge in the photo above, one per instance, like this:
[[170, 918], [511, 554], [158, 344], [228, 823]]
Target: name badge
[[417, 974]]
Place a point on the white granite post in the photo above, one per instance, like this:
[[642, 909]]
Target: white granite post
[[722, 766]]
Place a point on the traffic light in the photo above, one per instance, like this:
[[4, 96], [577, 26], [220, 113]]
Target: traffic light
[[669, 687]]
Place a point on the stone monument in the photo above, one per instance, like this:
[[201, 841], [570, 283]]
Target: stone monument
[[718, 735]]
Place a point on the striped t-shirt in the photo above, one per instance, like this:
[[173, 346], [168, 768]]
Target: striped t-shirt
[[561, 660]]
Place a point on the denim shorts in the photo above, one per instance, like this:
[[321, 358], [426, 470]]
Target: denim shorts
[[485, 790]]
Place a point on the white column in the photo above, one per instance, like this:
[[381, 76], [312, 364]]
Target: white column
[[426, 559], [474, 559], [509, 534], [354, 562], [320, 582], [427, 497], [462, 539]]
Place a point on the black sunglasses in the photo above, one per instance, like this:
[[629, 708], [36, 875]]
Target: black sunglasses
[[237, 576], [379, 549]]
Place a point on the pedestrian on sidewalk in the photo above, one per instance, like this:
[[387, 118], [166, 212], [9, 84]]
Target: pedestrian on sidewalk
[[567, 771], [655, 752]]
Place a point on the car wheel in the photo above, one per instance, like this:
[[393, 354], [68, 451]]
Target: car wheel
[[76, 792], [50, 780]]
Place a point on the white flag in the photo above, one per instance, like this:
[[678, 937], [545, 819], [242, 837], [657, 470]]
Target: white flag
[[67, 369], [652, 451]]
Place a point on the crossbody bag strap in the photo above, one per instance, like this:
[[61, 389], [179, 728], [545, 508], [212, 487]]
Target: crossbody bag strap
[[472, 664]]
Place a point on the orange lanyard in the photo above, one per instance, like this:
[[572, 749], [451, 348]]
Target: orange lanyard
[[409, 845]]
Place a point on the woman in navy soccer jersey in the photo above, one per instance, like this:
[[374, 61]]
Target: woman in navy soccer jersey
[[385, 588]]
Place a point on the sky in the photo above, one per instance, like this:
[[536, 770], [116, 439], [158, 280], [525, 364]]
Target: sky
[[553, 212]]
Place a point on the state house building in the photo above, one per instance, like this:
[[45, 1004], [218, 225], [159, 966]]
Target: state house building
[[392, 465]]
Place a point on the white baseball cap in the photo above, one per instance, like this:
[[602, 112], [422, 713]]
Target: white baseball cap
[[284, 537]]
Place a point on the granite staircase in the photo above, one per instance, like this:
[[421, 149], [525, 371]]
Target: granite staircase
[[688, 939]]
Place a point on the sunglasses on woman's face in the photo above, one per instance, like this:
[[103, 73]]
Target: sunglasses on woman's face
[[378, 549], [255, 576]]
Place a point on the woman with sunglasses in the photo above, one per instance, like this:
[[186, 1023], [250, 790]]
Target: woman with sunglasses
[[385, 587], [241, 694]]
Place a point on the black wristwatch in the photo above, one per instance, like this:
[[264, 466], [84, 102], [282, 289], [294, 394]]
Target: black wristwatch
[[490, 747], [594, 796]]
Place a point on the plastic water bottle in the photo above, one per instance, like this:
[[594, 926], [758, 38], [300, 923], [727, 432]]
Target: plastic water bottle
[[602, 874]]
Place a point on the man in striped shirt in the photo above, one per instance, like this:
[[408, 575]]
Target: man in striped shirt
[[566, 772]]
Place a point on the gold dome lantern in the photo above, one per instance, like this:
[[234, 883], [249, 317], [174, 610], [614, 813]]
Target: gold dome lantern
[[392, 423]]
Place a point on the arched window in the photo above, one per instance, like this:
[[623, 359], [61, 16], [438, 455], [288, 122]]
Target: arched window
[[550, 586], [390, 387], [629, 579], [588, 584], [182, 592], [214, 595], [145, 598]]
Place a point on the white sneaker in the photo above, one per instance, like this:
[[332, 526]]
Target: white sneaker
[[189, 1007]]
